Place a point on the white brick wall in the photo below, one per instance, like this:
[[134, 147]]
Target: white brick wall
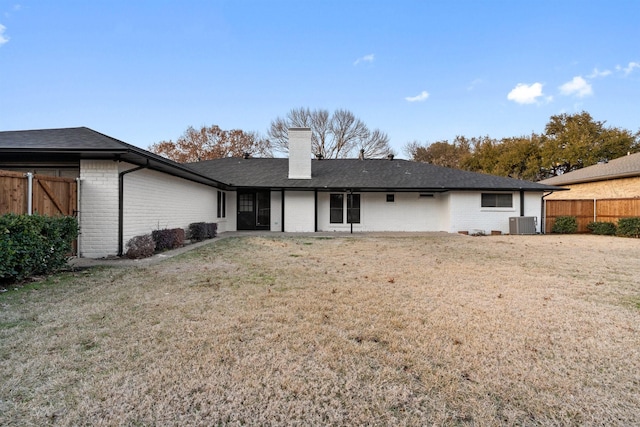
[[468, 215], [408, 212], [299, 213], [98, 208], [300, 153], [155, 200], [276, 211]]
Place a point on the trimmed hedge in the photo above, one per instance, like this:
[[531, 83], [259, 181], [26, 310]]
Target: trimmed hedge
[[565, 225], [629, 227], [199, 231], [140, 247], [34, 244], [602, 228], [168, 238]]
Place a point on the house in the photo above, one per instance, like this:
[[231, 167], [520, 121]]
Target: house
[[127, 191], [604, 192], [615, 179]]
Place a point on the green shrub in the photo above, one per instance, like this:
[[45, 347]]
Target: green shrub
[[603, 228], [629, 227], [140, 247], [565, 225], [34, 244]]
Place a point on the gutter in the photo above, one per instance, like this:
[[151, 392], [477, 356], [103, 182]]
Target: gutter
[[543, 211], [121, 205]]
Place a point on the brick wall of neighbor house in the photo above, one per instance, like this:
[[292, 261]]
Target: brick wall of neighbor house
[[98, 208], [467, 214], [621, 188], [299, 214], [155, 200], [276, 211]]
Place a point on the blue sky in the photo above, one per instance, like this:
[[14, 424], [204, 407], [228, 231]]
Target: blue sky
[[143, 71]]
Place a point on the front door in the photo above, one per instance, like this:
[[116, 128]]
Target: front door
[[254, 210]]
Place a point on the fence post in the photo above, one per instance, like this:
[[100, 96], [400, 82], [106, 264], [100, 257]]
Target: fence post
[[29, 176]]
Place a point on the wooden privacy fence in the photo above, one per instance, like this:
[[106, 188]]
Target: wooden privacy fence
[[49, 196], [589, 210]]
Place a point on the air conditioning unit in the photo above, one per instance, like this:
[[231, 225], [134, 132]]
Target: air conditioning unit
[[522, 225]]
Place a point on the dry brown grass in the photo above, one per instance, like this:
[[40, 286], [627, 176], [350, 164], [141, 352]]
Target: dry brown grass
[[376, 330]]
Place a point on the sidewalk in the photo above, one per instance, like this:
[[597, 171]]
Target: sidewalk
[[81, 263]]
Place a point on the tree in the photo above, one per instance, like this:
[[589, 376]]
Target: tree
[[333, 136], [212, 142], [441, 153], [576, 141]]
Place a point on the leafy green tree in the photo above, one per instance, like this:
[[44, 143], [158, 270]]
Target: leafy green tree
[[575, 141]]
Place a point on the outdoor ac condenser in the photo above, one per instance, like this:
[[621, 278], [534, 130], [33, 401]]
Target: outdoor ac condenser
[[522, 225]]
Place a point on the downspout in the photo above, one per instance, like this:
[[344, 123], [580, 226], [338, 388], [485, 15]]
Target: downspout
[[282, 211], [77, 212], [315, 209], [350, 222], [543, 213], [521, 202], [121, 205], [29, 176]]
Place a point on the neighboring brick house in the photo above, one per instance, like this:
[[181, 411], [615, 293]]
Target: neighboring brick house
[[616, 179], [127, 191]]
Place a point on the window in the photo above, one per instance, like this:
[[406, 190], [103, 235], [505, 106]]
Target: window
[[391, 198], [335, 208], [497, 200], [222, 204], [353, 208], [245, 202]]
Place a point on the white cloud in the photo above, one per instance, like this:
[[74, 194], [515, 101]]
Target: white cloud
[[598, 73], [525, 94], [473, 84], [367, 58], [629, 68], [418, 98], [3, 38], [578, 87]]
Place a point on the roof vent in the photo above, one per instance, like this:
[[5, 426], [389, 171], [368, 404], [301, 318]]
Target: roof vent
[[361, 156], [246, 155], [319, 156], [390, 156]]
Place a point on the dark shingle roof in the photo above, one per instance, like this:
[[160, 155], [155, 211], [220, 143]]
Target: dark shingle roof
[[622, 167], [73, 144], [369, 174]]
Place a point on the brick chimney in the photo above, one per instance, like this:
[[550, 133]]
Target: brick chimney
[[299, 153]]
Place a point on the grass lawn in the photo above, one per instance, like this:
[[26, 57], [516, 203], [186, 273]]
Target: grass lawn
[[366, 330]]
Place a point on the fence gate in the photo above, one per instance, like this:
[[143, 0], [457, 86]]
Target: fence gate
[[45, 195]]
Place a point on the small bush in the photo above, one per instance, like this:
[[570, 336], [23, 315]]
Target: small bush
[[212, 230], [178, 237], [168, 238], [565, 225], [140, 247], [198, 231], [602, 228], [629, 227], [34, 244]]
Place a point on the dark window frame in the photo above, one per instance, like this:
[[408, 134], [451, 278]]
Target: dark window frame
[[391, 198], [336, 208], [222, 204], [496, 200]]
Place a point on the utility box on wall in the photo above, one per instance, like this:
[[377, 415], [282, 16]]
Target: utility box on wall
[[522, 225]]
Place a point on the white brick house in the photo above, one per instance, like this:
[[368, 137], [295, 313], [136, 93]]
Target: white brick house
[[126, 191]]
